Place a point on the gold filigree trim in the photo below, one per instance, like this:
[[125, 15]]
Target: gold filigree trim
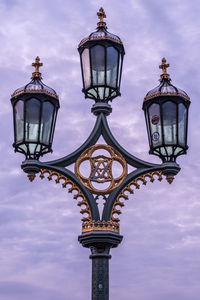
[[73, 187], [101, 169], [94, 38], [166, 94], [43, 91], [130, 189], [100, 225]]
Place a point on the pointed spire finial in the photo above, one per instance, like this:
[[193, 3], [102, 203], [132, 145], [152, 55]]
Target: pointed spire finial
[[37, 65], [101, 15], [164, 67]]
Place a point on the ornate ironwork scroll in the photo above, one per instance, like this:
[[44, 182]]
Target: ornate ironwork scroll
[[78, 195], [101, 169], [134, 184]]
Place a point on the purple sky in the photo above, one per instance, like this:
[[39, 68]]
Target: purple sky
[[40, 258]]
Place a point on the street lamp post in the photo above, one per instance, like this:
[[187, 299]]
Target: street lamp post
[[35, 108]]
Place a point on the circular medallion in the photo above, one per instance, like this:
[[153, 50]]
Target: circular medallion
[[101, 169], [155, 120], [155, 136]]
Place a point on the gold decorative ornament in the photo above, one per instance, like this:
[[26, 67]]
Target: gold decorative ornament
[[170, 179], [31, 176], [101, 169], [85, 209], [101, 15], [153, 95], [104, 37], [164, 67], [37, 65], [43, 91], [130, 189], [100, 225], [87, 223]]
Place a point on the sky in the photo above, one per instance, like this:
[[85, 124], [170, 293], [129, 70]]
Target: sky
[[40, 256]]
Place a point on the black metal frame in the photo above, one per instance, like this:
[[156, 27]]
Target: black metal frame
[[156, 150], [113, 91], [101, 128], [100, 242], [44, 148]]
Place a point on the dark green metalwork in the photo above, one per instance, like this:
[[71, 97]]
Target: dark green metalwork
[[99, 241]]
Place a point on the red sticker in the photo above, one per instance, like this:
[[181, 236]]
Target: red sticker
[[155, 120]]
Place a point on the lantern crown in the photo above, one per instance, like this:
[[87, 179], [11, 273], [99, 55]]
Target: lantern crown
[[101, 15], [165, 87], [166, 112], [101, 55], [36, 85], [35, 107], [101, 33]]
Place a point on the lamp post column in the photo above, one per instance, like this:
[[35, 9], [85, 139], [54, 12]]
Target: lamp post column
[[100, 243], [100, 273]]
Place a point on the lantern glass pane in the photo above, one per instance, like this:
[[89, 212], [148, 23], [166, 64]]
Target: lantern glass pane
[[178, 150], [32, 120], [19, 120], [182, 112], [169, 123], [23, 148], [101, 92], [155, 125], [98, 65], [46, 122], [32, 148], [119, 72], [169, 150], [111, 66], [86, 68], [53, 126]]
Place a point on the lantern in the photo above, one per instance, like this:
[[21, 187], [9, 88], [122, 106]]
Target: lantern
[[166, 112], [35, 108], [101, 57]]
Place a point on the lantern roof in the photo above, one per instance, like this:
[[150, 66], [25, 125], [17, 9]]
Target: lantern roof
[[165, 87], [36, 85], [101, 33]]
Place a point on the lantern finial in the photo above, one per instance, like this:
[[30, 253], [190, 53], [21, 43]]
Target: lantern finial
[[164, 67], [37, 65], [101, 15]]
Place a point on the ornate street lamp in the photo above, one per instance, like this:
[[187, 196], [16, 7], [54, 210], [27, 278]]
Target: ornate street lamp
[[101, 56], [166, 109], [166, 112], [35, 109]]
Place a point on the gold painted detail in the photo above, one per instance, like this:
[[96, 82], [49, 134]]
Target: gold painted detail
[[85, 209], [100, 225], [164, 67], [135, 184], [101, 169], [104, 37], [170, 179], [43, 91], [153, 95], [37, 65], [31, 176], [101, 15]]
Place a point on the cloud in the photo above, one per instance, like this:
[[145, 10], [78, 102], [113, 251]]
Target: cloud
[[39, 222]]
